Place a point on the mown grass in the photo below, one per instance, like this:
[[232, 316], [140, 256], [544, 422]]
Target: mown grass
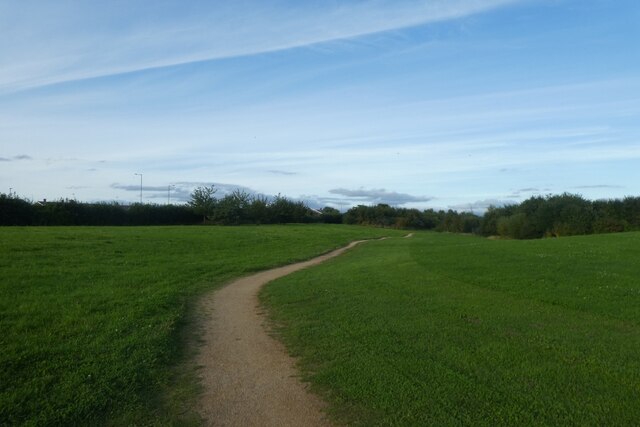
[[90, 318], [459, 330]]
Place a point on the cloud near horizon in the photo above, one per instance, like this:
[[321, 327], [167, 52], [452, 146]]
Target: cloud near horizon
[[181, 191], [378, 196], [479, 206]]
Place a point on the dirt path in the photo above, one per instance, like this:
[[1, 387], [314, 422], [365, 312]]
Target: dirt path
[[248, 377]]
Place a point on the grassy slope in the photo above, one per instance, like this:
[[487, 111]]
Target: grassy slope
[[89, 316], [447, 329]]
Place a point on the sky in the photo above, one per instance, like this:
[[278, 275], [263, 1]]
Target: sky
[[443, 104]]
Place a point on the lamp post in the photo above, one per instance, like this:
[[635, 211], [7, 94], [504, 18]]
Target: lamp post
[[169, 193], [140, 186]]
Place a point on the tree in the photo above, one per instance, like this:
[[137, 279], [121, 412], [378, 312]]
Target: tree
[[259, 209], [202, 201], [15, 211], [285, 211], [233, 208], [330, 215], [432, 218]]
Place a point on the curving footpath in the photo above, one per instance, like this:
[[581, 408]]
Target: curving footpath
[[248, 377]]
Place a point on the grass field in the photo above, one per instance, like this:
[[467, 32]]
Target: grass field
[[448, 329], [90, 318]]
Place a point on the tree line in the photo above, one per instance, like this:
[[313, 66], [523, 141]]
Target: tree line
[[240, 207], [233, 209], [561, 215], [548, 216], [17, 211]]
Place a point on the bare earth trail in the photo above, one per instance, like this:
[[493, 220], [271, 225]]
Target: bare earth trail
[[247, 376]]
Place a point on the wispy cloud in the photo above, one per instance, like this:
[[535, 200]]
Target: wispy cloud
[[138, 188], [439, 110], [171, 33], [522, 193], [18, 157], [596, 186], [279, 172]]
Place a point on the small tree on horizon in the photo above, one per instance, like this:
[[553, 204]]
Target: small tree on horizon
[[203, 202]]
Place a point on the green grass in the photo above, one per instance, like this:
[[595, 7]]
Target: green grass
[[459, 330], [91, 318]]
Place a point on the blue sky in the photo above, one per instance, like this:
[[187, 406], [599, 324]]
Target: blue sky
[[429, 104]]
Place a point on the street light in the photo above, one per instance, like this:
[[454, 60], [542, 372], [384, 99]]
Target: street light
[[169, 193], [140, 186]]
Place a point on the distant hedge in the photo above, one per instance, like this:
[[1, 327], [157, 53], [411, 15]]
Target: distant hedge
[[550, 216], [383, 215], [233, 209], [561, 215], [16, 211]]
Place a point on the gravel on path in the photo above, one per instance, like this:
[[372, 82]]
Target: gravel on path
[[248, 377]]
